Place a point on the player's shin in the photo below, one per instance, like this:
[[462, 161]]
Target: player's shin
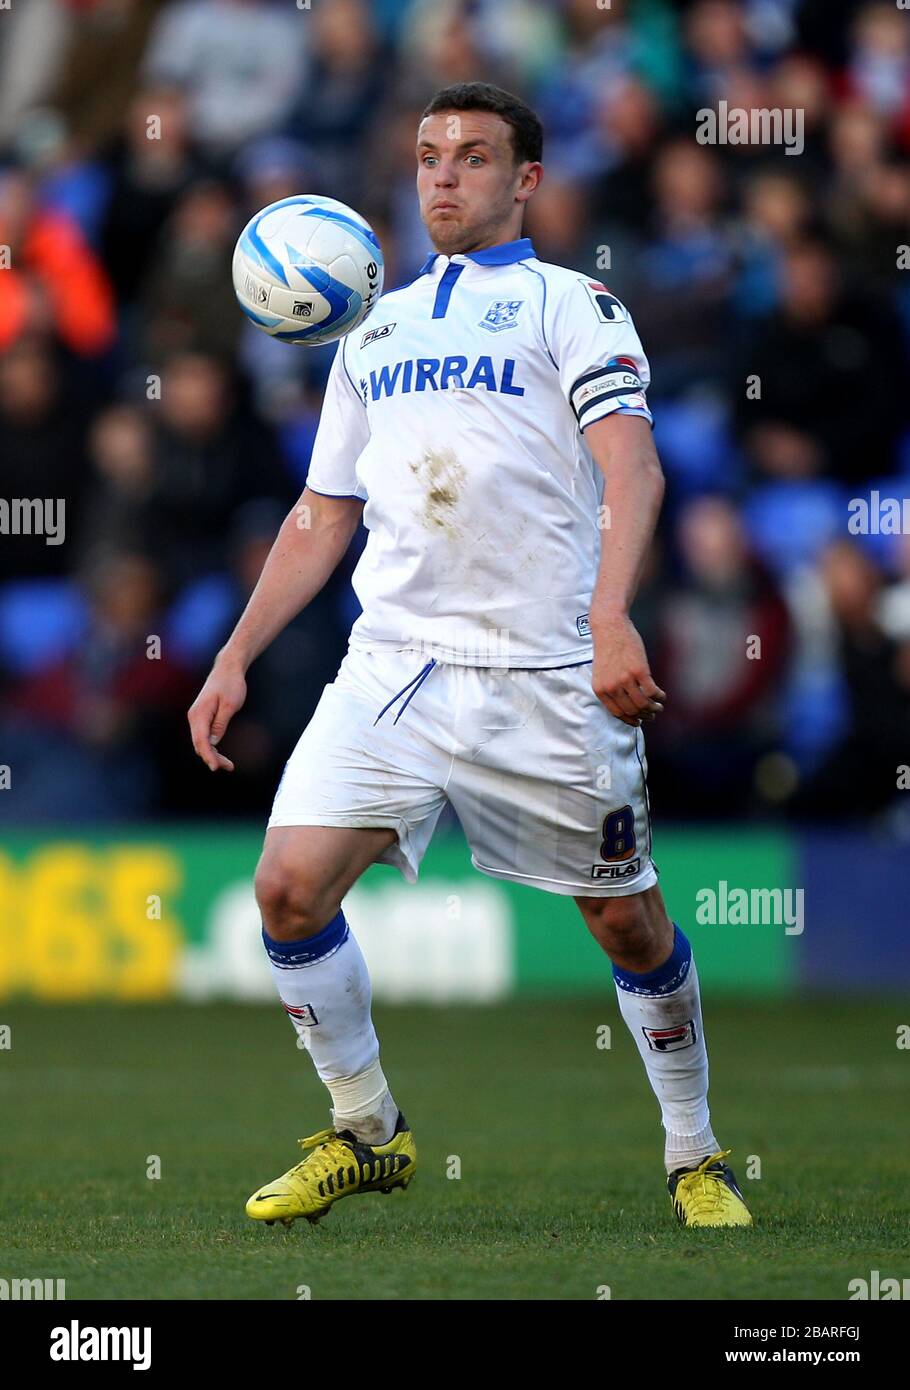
[[662, 1010], [324, 986]]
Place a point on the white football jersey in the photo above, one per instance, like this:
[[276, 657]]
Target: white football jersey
[[457, 414]]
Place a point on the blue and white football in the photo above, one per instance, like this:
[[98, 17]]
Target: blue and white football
[[307, 270]]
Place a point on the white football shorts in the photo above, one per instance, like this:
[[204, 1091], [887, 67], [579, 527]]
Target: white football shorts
[[549, 787]]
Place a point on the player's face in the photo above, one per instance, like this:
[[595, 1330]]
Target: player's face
[[471, 191]]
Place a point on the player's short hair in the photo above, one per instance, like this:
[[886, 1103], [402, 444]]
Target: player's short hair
[[527, 131]]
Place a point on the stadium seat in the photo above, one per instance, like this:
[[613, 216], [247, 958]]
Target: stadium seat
[[824, 692], [199, 617], [41, 621], [789, 523], [695, 446]]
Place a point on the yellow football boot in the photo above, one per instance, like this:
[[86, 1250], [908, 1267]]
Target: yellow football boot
[[708, 1195], [339, 1166]]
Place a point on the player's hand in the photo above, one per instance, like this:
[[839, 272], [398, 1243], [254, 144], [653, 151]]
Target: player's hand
[[622, 678], [210, 713]]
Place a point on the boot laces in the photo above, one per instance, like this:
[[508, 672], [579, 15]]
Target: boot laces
[[708, 1190], [329, 1154]]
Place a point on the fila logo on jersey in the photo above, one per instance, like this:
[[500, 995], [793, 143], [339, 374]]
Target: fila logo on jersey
[[433, 374], [502, 313], [671, 1039], [376, 333], [301, 1013], [606, 305]]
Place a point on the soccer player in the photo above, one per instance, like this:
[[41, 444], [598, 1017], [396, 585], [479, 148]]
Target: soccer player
[[489, 423]]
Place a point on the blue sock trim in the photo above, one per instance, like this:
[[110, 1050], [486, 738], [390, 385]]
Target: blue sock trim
[[290, 955], [666, 978]]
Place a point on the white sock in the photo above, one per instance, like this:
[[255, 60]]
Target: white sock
[[324, 986], [662, 1010]]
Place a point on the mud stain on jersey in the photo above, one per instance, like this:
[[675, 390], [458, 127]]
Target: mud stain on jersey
[[442, 478]]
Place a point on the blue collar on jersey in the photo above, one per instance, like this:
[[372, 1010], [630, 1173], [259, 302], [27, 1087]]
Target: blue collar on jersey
[[506, 254]]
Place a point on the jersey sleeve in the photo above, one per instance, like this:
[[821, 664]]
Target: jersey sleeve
[[601, 362], [341, 437]]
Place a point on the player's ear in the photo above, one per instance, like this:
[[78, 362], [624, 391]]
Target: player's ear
[[531, 174]]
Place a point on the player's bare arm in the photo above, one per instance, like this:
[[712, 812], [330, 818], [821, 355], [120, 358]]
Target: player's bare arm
[[312, 539], [623, 448]]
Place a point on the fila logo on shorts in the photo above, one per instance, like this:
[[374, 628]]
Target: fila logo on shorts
[[628, 869]]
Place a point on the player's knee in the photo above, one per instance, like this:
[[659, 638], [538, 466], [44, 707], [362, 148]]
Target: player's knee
[[625, 925], [619, 916], [292, 902]]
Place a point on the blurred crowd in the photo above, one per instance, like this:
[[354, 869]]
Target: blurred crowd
[[138, 136]]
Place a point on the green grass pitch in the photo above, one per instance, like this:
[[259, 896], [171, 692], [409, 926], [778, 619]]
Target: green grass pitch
[[562, 1186]]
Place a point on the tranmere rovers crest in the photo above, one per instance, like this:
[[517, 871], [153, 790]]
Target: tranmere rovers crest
[[501, 314]]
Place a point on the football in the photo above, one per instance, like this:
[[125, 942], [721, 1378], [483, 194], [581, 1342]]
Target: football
[[307, 270]]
